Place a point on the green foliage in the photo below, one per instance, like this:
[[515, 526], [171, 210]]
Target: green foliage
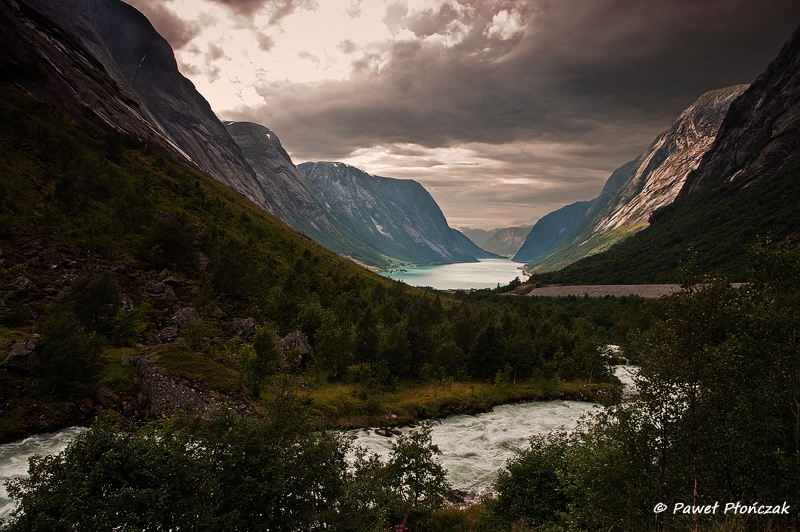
[[73, 329], [67, 359], [529, 487], [95, 301], [716, 418], [130, 325], [261, 360], [239, 474]]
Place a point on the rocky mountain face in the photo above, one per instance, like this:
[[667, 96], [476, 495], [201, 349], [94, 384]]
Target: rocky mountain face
[[297, 206], [44, 60], [746, 187], [102, 62], [396, 217], [761, 132], [638, 188], [143, 65], [468, 246], [552, 230], [504, 241]]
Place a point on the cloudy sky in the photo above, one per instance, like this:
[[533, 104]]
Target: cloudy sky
[[504, 110]]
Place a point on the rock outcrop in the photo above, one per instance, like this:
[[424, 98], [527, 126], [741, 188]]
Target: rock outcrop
[[142, 65], [760, 135], [20, 355], [162, 394]]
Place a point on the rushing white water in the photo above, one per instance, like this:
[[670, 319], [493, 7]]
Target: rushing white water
[[14, 458], [487, 273], [475, 448]]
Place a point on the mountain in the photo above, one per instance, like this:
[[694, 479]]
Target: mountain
[[638, 188], [468, 246], [150, 99], [504, 241], [761, 132], [143, 66], [746, 186], [551, 230], [297, 206], [396, 217]]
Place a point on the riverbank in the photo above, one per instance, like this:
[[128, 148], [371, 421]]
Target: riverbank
[[350, 406]]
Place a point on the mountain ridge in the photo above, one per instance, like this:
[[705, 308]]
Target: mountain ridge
[[715, 219], [396, 217], [641, 186]]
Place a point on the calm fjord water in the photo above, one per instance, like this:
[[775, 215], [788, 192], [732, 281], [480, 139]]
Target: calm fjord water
[[484, 274]]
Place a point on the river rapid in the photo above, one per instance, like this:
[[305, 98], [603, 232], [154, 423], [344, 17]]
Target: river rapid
[[474, 448], [14, 458]]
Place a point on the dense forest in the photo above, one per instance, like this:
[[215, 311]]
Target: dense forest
[[112, 250], [115, 253]]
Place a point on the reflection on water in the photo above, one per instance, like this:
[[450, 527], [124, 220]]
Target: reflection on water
[[487, 273]]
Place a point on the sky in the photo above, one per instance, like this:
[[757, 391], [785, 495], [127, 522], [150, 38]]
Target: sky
[[504, 110]]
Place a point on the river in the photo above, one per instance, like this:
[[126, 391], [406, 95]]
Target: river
[[487, 273], [14, 458], [474, 448]]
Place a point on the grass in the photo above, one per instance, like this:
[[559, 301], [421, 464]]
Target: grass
[[115, 372], [180, 361], [345, 405]]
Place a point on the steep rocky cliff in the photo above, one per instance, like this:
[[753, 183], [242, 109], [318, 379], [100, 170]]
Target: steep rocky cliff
[[761, 132], [640, 187], [143, 66], [746, 188], [396, 217], [297, 206]]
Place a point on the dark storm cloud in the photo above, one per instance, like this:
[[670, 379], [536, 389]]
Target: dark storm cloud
[[608, 73], [278, 9], [176, 31], [265, 42]]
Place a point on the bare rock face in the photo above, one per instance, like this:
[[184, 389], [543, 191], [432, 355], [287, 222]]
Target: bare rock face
[[640, 187], [163, 395], [19, 356], [297, 349], [184, 317], [244, 328], [761, 132], [168, 334], [396, 217]]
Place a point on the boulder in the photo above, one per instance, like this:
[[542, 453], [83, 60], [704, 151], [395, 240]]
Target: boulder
[[183, 318], [168, 335], [204, 262], [244, 328], [297, 343], [19, 356]]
